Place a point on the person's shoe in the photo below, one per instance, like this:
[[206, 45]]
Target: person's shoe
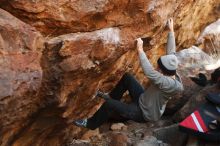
[[102, 95], [81, 123]]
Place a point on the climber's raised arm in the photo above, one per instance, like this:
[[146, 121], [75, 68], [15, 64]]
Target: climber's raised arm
[[171, 44]]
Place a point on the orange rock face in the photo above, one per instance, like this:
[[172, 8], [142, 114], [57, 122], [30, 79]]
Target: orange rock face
[[20, 74], [89, 46], [143, 17]]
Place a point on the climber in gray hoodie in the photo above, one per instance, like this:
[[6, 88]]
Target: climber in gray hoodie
[[146, 105]]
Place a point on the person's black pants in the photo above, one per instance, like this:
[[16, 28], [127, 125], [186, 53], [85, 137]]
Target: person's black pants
[[114, 107]]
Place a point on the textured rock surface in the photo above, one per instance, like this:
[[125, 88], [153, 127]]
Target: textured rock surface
[[136, 133], [20, 74], [195, 101], [74, 65], [210, 38], [169, 133], [64, 16]]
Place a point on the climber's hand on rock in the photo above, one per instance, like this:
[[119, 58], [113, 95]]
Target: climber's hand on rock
[[139, 44], [170, 24]]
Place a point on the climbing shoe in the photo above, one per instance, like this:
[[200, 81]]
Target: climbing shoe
[[81, 123], [102, 95]]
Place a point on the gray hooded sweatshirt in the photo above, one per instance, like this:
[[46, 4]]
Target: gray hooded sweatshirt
[[153, 101]]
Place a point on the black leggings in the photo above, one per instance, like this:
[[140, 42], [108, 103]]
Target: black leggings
[[114, 107]]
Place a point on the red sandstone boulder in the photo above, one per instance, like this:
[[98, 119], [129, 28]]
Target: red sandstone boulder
[[64, 16], [20, 74], [76, 65]]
